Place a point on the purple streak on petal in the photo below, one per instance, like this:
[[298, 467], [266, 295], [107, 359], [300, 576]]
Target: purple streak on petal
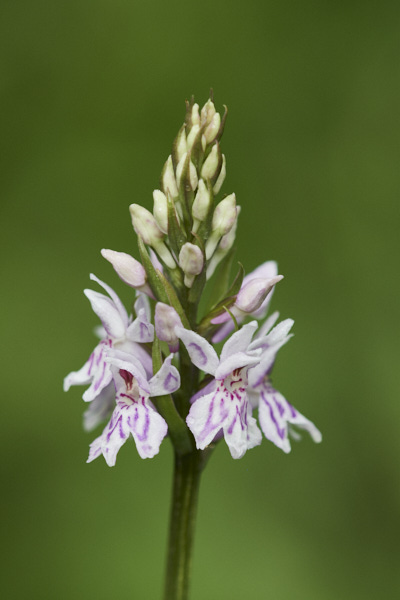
[[281, 432], [201, 356], [170, 382]]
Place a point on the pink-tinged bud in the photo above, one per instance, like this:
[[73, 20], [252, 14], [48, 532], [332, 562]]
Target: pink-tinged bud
[[168, 179], [160, 210], [127, 268], [221, 176], [207, 112], [146, 226], [212, 130], [166, 319], [253, 293], [191, 261], [210, 166], [192, 172]]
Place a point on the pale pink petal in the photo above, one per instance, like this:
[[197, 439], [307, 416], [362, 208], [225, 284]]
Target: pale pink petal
[[166, 381], [147, 427], [207, 416], [236, 361], [239, 341], [201, 353], [114, 297], [108, 313]]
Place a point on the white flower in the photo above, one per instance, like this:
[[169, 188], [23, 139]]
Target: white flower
[[134, 413], [278, 419], [120, 332], [226, 407]]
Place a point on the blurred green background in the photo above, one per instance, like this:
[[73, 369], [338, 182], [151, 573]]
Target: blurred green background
[[92, 95]]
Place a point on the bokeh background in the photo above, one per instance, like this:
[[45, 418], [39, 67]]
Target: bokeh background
[[92, 95]]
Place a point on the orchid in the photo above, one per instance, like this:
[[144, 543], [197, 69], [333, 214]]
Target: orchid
[[279, 420], [134, 413], [119, 332], [226, 407], [157, 373]]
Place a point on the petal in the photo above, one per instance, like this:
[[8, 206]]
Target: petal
[[277, 337], [166, 381], [100, 371], [114, 297], [142, 304], [107, 312], [239, 341], [224, 331], [128, 268], [236, 361], [81, 377], [141, 330], [271, 415], [242, 432], [113, 437], [127, 362], [265, 327], [147, 427], [201, 353], [100, 409], [267, 269], [207, 416]]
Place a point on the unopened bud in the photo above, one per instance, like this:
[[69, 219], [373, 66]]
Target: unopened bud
[[192, 136], [207, 112], [180, 143], [168, 179], [201, 205], [224, 246], [127, 268], [253, 293], [192, 172], [146, 226], [160, 210], [191, 261], [224, 218], [221, 176], [212, 129], [211, 164], [195, 114], [166, 319]]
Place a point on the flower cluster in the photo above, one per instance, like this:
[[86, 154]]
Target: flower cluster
[[157, 372]]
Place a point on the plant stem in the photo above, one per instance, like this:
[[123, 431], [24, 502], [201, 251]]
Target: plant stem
[[187, 474]]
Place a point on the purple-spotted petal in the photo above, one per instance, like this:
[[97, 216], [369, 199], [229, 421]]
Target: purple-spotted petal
[[241, 432], [201, 353], [127, 362], [113, 437], [239, 341], [108, 313], [141, 330], [99, 370], [166, 381], [236, 361], [207, 416]]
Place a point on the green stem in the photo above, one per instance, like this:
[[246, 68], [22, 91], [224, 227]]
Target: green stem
[[187, 474]]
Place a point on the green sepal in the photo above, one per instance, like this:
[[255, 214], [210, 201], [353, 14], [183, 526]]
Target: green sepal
[[222, 126], [153, 280], [176, 236], [232, 316], [174, 153], [173, 299], [177, 429], [186, 194]]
